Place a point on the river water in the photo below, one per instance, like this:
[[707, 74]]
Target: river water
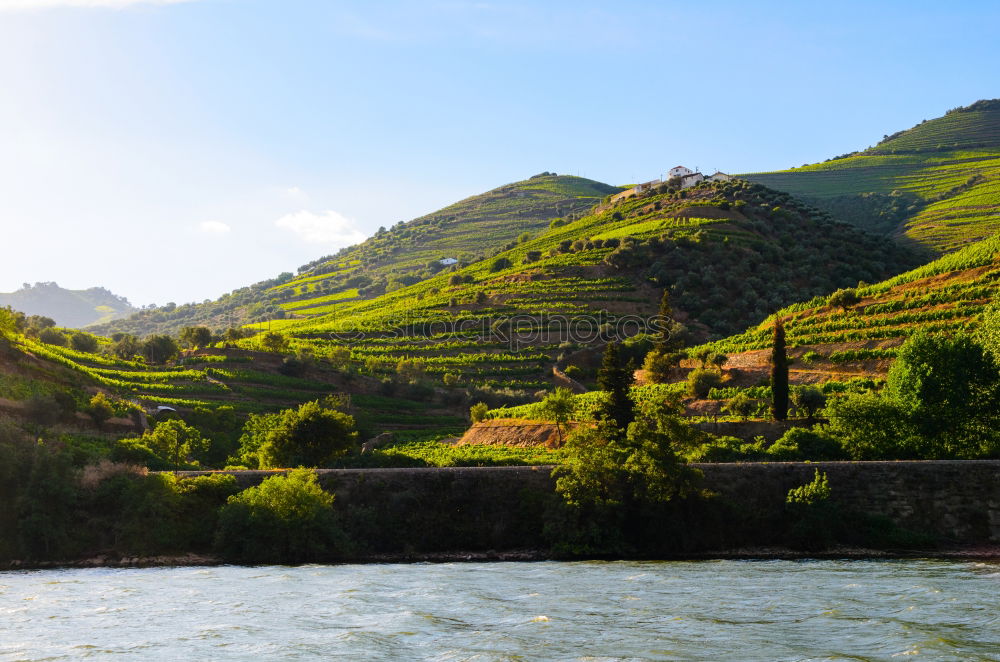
[[707, 610]]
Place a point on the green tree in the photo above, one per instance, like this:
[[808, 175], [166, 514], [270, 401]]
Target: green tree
[[478, 411], [83, 342], [8, 321], [844, 298], [988, 333], [617, 407], [158, 349], [779, 373], [613, 485], [658, 364], [810, 399], [741, 405], [871, 427], [949, 388], [702, 355], [339, 357], [665, 341], [559, 406], [196, 337], [100, 409], [701, 381], [285, 519], [51, 336], [411, 370], [272, 341], [500, 264], [310, 436], [233, 334], [175, 441], [125, 346]]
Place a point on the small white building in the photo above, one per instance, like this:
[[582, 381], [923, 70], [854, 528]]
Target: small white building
[[691, 179], [719, 177], [448, 261], [680, 171], [645, 186]]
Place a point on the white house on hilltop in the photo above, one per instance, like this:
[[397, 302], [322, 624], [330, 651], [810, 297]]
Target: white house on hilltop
[[687, 177], [448, 261]]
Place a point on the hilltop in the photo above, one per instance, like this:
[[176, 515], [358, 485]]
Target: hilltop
[[69, 308], [406, 253], [936, 185]]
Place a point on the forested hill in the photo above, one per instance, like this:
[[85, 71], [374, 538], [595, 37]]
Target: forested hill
[[69, 308], [404, 254], [936, 184]]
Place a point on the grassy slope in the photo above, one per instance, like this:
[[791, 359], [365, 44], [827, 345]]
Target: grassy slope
[[946, 295], [949, 167], [467, 229], [727, 265], [247, 381]]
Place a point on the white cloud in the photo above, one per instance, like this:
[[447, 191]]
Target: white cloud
[[326, 227], [28, 5], [213, 227]]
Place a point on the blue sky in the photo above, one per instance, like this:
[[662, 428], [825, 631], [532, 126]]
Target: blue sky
[[173, 151]]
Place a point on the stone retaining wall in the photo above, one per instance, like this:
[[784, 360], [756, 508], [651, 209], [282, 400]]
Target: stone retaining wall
[[498, 507]]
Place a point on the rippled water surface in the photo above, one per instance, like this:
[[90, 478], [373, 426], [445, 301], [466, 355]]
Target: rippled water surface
[[711, 610]]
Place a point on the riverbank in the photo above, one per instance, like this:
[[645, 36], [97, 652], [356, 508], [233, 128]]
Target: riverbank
[[947, 510], [976, 553]]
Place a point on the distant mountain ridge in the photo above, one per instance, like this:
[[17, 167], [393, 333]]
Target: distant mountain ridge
[[69, 308]]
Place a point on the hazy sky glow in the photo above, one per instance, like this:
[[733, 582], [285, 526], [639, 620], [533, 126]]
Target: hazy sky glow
[[172, 151]]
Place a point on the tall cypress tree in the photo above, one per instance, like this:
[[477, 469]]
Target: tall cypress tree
[[618, 410], [664, 341], [779, 373]]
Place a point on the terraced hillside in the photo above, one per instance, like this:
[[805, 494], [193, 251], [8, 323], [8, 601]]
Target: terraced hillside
[[937, 184], [392, 258], [730, 253], [35, 376], [832, 343]]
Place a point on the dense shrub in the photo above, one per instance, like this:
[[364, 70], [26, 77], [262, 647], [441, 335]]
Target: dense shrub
[[799, 444], [312, 435], [285, 519], [700, 381], [500, 264]]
